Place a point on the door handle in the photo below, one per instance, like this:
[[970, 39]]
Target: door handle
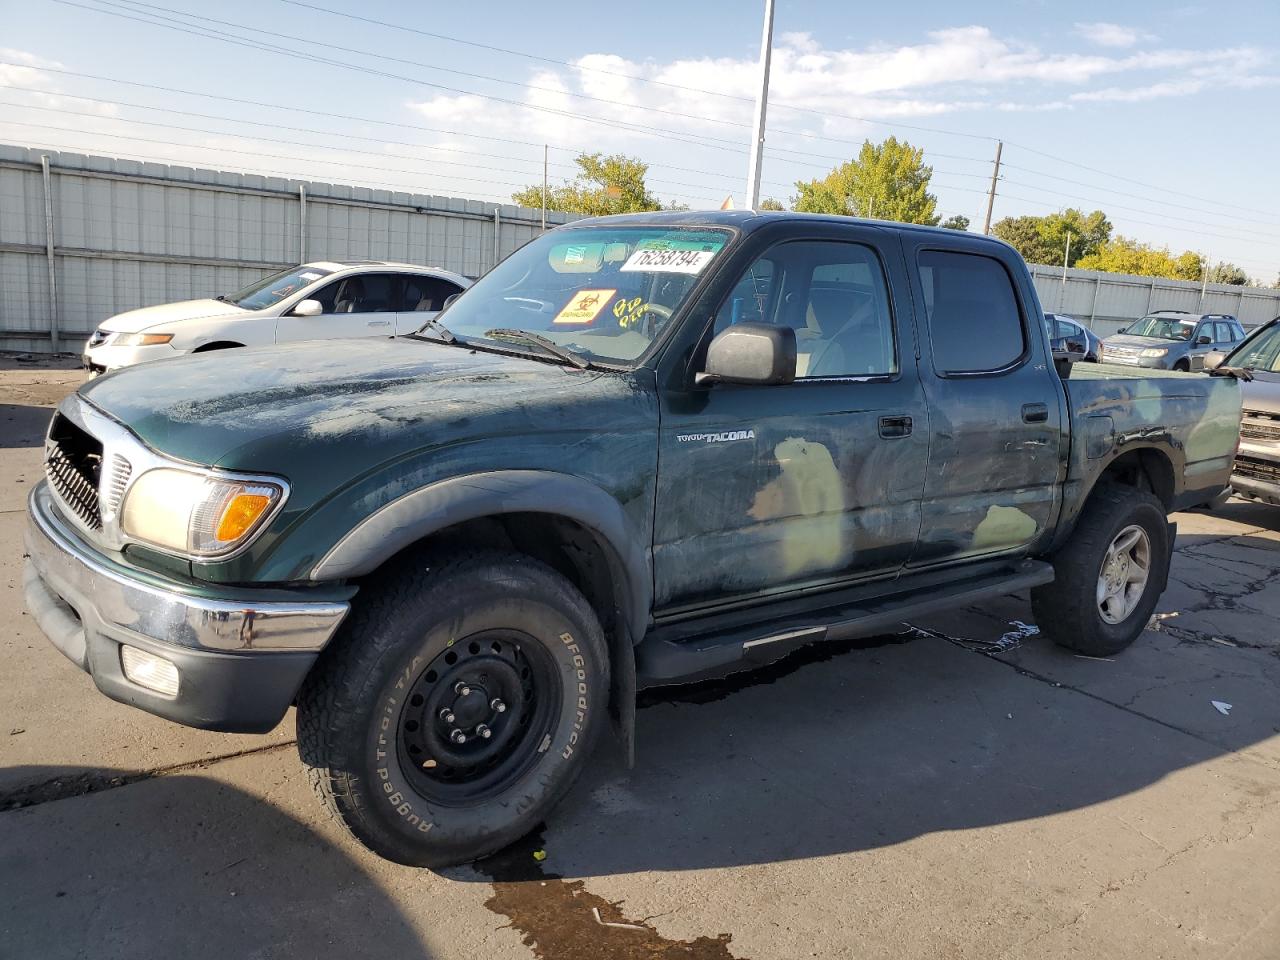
[[891, 428], [1035, 413]]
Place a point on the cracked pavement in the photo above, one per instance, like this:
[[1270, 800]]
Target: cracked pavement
[[964, 789]]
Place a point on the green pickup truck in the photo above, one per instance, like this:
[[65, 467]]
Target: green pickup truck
[[641, 450]]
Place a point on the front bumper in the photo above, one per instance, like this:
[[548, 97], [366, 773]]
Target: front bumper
[[105, 357], [1149, 363], [1256, 472], [240, 657]]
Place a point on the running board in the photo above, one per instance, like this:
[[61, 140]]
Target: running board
[[660, 660]]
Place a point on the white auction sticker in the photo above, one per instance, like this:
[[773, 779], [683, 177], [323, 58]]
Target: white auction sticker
[[668, 261]]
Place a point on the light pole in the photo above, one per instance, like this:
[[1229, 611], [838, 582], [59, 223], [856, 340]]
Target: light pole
[[762, 101]]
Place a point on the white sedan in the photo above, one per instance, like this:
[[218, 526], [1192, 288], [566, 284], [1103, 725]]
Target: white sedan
[[316, 301]]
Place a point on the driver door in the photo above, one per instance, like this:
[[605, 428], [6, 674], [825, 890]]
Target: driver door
[[361, 305]]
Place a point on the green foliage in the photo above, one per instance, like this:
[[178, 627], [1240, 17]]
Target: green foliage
[[1228, 273], [1123, 255], [771, 204], [957, 222], [604, 185], [889, 181], [1044, 239]]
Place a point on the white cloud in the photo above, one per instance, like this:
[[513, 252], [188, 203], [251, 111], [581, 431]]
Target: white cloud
[[1111, 34]]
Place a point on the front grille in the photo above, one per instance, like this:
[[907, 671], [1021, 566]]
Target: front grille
[[1257, 425], [1256, 469], [118, 470], [73, 464]]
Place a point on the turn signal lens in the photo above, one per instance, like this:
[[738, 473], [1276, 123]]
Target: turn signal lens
[[240, 515], [142, 339]]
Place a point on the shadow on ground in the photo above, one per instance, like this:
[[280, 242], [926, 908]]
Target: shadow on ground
[[185, 866], [23, 426]]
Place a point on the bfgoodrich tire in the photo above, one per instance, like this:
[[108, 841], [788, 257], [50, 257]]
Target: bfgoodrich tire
[[456, 707], [1109, 577]]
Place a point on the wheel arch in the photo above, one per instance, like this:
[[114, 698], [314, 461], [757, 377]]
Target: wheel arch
[[561, 508]]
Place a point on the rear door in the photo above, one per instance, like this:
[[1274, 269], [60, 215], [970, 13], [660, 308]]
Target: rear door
[[998, 443], [359, 305], [768, 490]]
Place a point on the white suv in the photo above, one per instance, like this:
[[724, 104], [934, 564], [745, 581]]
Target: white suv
[[316, 301]]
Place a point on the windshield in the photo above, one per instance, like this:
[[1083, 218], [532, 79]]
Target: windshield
[[271, 290], [604, 293], [1261, 353], [1162, 328]]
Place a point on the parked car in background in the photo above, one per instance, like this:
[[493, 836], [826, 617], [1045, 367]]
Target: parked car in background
[[1173, 339], [314, 301], [1257, 466], [1067, 333]]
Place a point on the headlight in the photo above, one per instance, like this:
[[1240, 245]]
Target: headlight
[[141, 339], [197, 515], [1155, 351]]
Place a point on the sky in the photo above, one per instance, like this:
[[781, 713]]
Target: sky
[[1161, 114]]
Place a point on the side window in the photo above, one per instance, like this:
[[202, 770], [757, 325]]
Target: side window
[[1067, 329], [750, 301], [426, 293], [1225, 334], [369, 293], [974, 322], [328, 295], [833, 294]]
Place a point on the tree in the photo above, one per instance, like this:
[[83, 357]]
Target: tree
[[771, 204], [1123, 255], [1228, 273], [1044, 239], [889, 181], [957, 222], [604, 185]]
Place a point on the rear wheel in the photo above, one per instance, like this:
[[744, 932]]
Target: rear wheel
[[1109, 577], [455, 708]]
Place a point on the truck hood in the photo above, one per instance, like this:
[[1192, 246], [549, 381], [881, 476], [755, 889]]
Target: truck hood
[[1262, 393], [135, 321], [363, 397], [1126, 340]]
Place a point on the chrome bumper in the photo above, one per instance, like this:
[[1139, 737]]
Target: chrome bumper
[[240, 657]]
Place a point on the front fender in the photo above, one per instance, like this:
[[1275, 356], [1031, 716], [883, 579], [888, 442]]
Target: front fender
[[435, 507]]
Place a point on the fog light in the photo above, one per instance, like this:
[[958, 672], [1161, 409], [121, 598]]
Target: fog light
[[148, 670]]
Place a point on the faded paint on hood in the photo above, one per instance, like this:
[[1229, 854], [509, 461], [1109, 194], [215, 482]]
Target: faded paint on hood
[[204, 407], [135, 321]]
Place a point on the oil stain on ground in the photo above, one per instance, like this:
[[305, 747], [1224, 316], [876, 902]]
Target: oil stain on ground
[[560, 920]]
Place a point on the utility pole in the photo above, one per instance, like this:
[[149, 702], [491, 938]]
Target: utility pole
[[544, 188], [1066, 255], [757, 141], [991, 195]]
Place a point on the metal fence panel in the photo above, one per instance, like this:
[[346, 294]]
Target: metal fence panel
[[129, 234]]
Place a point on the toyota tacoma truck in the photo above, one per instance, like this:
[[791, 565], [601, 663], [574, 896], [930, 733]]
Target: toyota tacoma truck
[[639, 451]]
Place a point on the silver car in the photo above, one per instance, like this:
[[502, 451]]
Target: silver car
[[1173, 340], [1257, 467]]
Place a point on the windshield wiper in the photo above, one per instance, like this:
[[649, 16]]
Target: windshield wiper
[[442, 332], [225, 299], [524, 336]]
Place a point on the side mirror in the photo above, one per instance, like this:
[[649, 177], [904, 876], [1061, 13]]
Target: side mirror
[[307, 308], [1213, 359], [448, 301], [753, 353], [1123, 330], [1063, 357], [1202, 340]]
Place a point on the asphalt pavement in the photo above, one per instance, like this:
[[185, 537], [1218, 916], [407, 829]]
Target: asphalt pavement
[[961, 788]]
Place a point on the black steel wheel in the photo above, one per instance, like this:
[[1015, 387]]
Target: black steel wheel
[[476, 715]]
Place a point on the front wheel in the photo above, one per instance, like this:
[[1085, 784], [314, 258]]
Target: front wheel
[[455, 708], [1109, 577]]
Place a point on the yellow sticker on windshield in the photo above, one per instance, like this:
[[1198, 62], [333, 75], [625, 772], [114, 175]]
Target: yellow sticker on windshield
[[584, 306]]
